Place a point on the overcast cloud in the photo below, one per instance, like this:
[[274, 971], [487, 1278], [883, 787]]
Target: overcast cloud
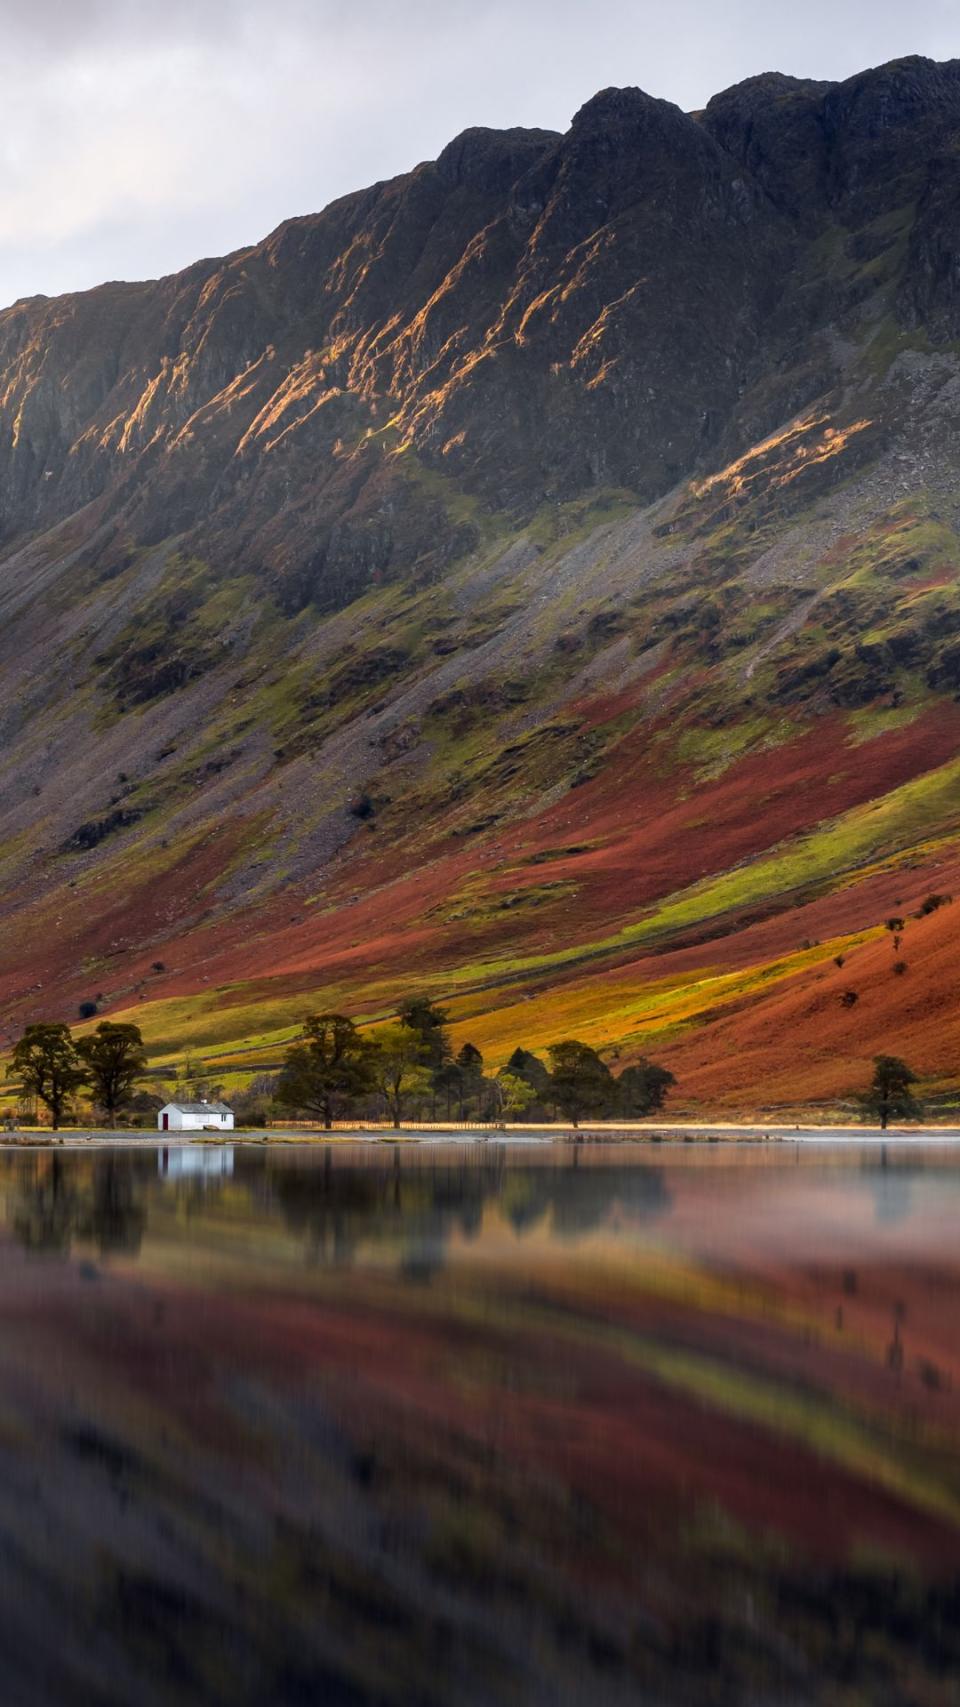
[[138, 135]]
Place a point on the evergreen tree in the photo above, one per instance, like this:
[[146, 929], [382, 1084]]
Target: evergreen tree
[[530, 1067], [888, 1096], [429, 1025], [469, 1065], [580, 1083], [642, 1089]]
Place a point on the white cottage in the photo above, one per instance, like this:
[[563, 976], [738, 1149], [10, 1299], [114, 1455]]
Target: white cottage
[[195, 1117]]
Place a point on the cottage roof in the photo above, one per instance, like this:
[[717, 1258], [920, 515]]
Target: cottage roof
[[201, 1107]]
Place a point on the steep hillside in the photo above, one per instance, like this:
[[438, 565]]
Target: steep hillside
[[534, 579]]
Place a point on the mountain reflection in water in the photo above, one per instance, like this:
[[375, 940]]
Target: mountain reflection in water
[[479, 1426]]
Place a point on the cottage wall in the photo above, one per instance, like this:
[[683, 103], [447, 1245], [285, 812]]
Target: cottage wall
[[175, 1119]]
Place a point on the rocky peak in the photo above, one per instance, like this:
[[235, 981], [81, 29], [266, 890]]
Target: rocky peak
[[881, 127], [619, 121], [492, 159], [905, 93]]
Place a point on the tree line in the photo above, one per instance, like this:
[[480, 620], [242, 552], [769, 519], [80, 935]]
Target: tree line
[[336, 1071], [405, 1069]]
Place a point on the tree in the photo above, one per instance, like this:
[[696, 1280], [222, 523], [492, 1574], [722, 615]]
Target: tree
[[448, 1081], [397, 1068], [580, 1083], [641, 1089], [514, 1095], [530, 1067], [114, 1059], [895, 927], [469, 1065], [46, 1061], [429, 1025], [330, 1065], [889, 1097]]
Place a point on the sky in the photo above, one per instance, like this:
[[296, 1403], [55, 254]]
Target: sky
[[139, 135]]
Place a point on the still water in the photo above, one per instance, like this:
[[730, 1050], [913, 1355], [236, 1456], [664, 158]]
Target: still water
[[660, 1424]]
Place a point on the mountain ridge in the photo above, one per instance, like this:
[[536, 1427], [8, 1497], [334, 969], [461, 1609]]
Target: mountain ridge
[[343, 576]]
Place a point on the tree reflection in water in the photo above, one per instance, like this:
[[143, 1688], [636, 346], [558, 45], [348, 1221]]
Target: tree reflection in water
[[415, 1208], [409, 1207], [57, 1200]]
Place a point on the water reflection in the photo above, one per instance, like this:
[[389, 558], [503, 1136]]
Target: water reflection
[[57, 1199], [53, 1202], [484, 1427], [417, 1207], [191, 1161]]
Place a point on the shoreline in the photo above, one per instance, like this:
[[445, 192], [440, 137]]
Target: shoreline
[[647, 1134]]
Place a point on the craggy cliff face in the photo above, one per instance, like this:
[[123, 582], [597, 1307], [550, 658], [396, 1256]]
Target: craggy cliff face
[[530, 315], [457, 584]]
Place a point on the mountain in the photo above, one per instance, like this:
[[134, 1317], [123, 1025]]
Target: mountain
[[533, 579]]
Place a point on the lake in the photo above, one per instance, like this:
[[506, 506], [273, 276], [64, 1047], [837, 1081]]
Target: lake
[[470, 1425]]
